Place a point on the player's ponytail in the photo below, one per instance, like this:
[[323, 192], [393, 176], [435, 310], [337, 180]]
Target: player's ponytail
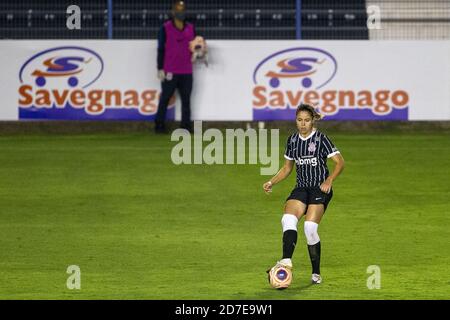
[[309, 108]]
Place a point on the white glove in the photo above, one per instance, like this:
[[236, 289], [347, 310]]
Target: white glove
[[161, 75]]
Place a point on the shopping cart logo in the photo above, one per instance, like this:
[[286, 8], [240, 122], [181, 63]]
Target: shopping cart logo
[[285, 79], [60, 67], [68, 66], [305, 67]]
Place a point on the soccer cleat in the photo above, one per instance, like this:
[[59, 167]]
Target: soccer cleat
[[316, 278], [284, 263]]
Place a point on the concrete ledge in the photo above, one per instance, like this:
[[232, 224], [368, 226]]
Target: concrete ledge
[[94, 127]]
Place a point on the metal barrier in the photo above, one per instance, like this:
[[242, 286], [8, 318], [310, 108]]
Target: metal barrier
[[230, 19]]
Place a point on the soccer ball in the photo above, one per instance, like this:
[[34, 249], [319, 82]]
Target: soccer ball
[[199, 50], [279, 277]]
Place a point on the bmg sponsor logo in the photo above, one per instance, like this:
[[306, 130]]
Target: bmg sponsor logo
[[307, 161], [289, 77], [61, 83]]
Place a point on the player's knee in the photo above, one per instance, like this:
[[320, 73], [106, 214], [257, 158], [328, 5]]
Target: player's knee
[[310, 228], [293, 208], [289, 222]]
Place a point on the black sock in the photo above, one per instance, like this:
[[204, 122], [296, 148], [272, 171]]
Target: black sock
[[314, 255], [289, 242]]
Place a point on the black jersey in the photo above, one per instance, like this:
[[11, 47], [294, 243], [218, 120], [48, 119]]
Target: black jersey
[[310, 155]]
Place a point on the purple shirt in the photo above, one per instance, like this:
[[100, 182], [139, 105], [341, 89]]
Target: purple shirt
[[174, 48]]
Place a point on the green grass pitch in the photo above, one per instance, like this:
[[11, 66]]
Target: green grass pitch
[[140, 227]]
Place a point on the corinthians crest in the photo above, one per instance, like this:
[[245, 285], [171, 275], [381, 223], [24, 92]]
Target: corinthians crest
[[312, 147]]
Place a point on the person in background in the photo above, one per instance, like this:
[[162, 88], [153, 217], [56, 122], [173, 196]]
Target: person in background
[[175, 65]]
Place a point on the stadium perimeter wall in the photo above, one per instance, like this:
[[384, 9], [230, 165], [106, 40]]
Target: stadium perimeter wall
[[244, 80]]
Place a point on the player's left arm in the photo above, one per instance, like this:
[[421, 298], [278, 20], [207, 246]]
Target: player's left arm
[[339, 166]]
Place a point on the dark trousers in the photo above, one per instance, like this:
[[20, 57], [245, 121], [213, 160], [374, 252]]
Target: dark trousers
[[182, 82]]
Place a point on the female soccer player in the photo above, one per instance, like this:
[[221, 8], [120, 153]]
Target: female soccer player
[[309, 149]]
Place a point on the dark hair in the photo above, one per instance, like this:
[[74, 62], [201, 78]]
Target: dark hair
[[309, 108]]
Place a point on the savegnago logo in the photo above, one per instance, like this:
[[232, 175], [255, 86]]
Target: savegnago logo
[[289, 77], [58, 83]]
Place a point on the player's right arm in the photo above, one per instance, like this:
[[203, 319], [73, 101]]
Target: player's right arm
[[284, 172]]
